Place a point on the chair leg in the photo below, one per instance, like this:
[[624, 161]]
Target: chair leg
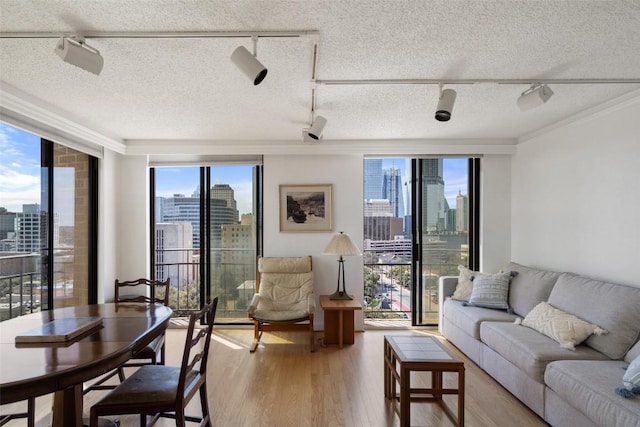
[[31, 412], [313, 338], [204, 403], [257, 334], [121, 374]]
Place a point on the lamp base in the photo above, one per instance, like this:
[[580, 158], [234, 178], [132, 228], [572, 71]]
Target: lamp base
[[340, 295]]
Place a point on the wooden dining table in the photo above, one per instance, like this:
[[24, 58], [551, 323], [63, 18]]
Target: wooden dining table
[[37, 368]]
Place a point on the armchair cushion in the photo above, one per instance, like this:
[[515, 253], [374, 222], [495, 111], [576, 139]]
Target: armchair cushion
[[284, 296]]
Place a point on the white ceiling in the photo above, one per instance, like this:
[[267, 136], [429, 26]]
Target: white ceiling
[[188, 89]]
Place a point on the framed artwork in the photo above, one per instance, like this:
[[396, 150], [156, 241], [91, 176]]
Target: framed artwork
[[305, 208]]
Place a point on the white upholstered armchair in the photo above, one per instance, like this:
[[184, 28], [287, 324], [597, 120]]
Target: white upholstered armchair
[[284, 299]]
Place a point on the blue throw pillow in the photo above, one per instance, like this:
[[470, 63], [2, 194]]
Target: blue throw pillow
[[491, 291]]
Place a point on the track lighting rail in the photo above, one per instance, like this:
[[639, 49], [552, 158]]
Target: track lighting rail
[[161, 35], [473, 81]]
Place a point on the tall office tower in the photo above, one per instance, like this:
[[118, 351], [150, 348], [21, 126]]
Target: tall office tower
[[379, 222], [433, 201], [407, 191], [181, 208], [7, 223], [239, 253], [226, 193], [377, 207], [462, 209], [159, 209], [392, 190], [27, 224], [373, 179], [171, 262]]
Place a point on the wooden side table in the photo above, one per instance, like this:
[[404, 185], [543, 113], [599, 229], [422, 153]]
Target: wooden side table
[[406, 353], [339, 320]]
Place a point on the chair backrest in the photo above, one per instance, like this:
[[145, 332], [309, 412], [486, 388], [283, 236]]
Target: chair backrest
[[284, 283], [155, 292], [196, 352]]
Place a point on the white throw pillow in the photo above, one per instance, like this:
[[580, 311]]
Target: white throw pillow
[[561, 326], [465, 284]]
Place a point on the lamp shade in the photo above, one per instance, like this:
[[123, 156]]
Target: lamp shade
[[341, 244]]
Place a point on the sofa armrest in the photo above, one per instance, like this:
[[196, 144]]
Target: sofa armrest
[[253, 305], [446, 287]]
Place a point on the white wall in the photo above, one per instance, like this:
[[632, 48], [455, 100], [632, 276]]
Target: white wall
[[345, 173], [576, 196], [495, 212], [132, 227], [108, 220]]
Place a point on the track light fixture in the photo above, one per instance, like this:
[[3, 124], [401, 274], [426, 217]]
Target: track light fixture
[[536, 95], [76, 52], [314, 133], [445, 104], [248, 63]]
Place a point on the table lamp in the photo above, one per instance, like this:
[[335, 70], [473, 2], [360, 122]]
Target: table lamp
[[341, 245]]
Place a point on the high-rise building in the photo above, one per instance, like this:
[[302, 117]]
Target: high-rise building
[[226, 193], [379, 222], [373, 179], [462, 209], [181, 208], [29, 231], [174, 253], [239, 249], [392, 190], [7, 223], [433, 200]]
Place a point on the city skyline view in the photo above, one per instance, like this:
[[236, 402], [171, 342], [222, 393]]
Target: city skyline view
[[20, 175]]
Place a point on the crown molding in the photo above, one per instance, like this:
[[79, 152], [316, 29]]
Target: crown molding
[[48, 121], [392, 147]]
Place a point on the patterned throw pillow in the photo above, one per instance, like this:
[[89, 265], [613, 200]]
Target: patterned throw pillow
[[561, 326], [631, 380], [465, 284], [491, 291]]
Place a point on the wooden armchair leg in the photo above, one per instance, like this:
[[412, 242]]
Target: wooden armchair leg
[[313, 338], [257, 334]]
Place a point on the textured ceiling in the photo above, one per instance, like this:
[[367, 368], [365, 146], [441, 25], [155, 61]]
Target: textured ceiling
[[188, 89]]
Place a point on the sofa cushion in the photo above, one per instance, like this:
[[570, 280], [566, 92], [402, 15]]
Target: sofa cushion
[[612, 307], [589, 387], [491, 291], [561, 326], [633, 353], [529, 287], [468, 318], [530, 350], [465, 284]]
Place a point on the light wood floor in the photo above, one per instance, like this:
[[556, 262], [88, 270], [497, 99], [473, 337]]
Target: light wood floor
[[284, 384]]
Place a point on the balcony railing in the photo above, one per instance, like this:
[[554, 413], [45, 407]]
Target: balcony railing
[[20, 285], [232, 280]]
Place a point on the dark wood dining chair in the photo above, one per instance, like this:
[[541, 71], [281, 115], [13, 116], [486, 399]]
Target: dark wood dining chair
[[30, 415], [164, 391], [155, 292]]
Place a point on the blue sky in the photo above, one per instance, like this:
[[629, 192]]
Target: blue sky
[[20, 175], [19, 168]]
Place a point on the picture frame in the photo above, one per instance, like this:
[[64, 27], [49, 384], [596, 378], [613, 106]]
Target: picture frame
[[306, 208]]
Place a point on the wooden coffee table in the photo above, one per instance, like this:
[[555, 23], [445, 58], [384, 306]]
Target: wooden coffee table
[[406, 353]]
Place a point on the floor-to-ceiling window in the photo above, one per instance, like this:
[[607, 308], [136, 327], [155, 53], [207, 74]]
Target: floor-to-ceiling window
[[207, 241], [419, 224], [48, 223]]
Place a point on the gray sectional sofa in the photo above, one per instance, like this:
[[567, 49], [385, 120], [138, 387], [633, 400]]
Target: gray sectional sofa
[[564, 387]]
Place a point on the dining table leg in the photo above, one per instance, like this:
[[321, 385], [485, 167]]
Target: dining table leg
[[67, 407]]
